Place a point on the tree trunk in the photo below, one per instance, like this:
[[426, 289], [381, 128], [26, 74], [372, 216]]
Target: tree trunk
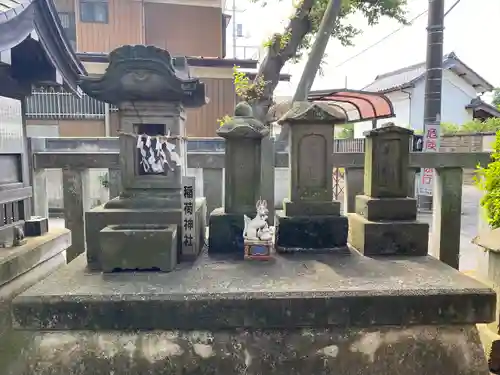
[[276, 58]]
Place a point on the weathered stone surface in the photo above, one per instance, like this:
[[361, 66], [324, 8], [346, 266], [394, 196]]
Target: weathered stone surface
[[387, 152], [379, 350], [386, 208], [242, 166], [139, 247], [306, 233], [145, 73], [310, 208], [14, 343], [99, 217], [297, 290], [225, 233], [17, 260], [388, 237]]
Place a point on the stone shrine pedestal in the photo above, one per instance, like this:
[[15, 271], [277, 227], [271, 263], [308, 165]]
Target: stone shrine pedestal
[[385, 222], [311, 220], [300, 314]]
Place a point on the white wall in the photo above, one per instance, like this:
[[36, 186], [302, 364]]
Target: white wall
[[456, 95]]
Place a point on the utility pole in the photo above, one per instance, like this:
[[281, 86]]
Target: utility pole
[[432, 98], [234, 29]]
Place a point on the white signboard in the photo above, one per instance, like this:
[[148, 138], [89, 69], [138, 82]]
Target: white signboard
[[189, 237], [11, 126], [431, 144]]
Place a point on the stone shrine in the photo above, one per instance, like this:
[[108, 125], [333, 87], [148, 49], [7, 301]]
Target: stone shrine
[[301, 314], [385, 222], [311, 219], [151, 90], [243, 135]]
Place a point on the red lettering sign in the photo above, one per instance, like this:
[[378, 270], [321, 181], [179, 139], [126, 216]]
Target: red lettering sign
[[430, 144], [432, 133]]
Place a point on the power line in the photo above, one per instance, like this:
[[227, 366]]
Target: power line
[[392, 33]]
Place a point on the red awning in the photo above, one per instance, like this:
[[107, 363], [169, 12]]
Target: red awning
[[357, 105]]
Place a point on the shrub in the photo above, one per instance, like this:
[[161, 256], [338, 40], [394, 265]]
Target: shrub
[[489, 181]]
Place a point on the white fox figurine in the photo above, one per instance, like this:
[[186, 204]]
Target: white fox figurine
[[257, 228]]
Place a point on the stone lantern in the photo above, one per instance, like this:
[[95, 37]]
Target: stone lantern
[[242, 179]]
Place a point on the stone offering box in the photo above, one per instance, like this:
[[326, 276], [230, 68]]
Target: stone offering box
[[138, 247], [258, 250]]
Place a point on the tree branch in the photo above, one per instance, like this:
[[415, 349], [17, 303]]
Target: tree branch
[[277, 56]]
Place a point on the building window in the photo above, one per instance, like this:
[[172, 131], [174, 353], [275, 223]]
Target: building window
[[239, 30], [94, 11]]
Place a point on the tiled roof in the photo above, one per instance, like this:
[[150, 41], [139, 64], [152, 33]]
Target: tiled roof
[[397, 79], [406, 77]]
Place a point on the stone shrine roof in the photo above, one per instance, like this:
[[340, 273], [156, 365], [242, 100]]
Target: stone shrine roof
[[145, 73]]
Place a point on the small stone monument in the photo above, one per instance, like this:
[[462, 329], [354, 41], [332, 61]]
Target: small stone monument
[[142, 228], [243, 135], [257, 235], [385, 222], [311, 219]]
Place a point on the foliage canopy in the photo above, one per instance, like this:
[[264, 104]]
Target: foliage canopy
[[489, 181]]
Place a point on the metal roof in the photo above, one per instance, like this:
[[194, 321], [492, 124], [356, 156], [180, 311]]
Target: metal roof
[[357, 105], [408, 76], [38, 19]]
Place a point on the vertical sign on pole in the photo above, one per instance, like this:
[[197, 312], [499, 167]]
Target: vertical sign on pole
[[431, 144]]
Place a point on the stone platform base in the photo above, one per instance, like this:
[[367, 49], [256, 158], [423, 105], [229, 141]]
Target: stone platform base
[[302, 233], [417, 350], [225, 233], [21, 268], [388, 238]]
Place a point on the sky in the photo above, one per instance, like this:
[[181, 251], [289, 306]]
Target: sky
[[471, 30]]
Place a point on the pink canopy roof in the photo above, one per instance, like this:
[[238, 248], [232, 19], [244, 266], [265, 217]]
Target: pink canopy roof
[[357, 105]]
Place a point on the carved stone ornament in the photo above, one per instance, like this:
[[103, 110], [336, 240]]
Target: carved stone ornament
[[314, 112], [243, 124], [145, 73]]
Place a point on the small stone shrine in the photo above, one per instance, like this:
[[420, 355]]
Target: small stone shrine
[[142, 228], [243, 135], [385, 222], [311, 219]]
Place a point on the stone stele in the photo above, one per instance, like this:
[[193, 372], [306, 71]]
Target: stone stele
[[385, 222], [311, 219]]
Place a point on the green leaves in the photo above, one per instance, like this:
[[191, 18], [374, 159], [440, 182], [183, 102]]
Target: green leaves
[[488, 180]]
